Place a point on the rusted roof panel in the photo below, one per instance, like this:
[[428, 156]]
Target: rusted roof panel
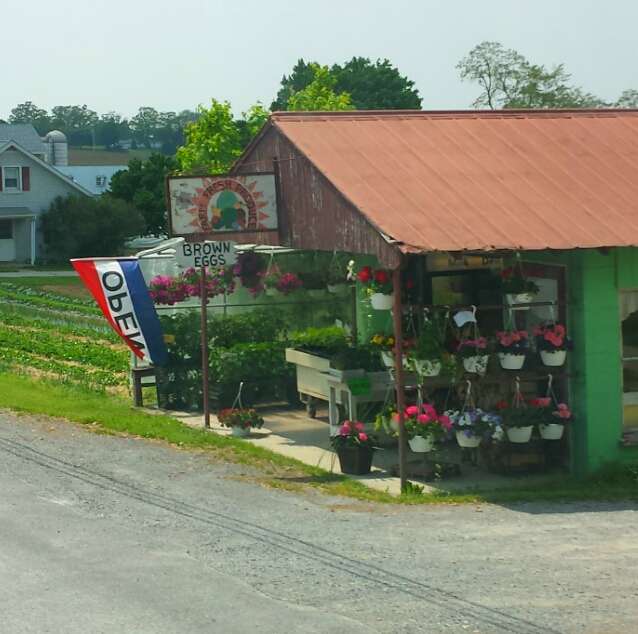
[[451, 181]]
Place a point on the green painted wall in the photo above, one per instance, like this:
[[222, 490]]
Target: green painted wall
[[594, 281]]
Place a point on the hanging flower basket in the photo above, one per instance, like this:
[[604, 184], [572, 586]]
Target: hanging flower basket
[[551, 431], [419, 444], [476, 364], [518, 290], [511, 361], [387, 357], [553, 358], [427, 367], [520, 435], [380, 301], [467, 440], [271, 292], [517, 301]]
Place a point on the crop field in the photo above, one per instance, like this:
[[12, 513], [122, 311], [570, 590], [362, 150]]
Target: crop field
[[51, 327]]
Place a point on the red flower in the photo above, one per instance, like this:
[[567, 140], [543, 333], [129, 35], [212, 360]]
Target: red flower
[[365, 274], [501, 405], [381, 276]]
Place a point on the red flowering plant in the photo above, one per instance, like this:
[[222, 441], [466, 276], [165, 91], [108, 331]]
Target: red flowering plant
[[552, 337], [250, 268], [167, 290], [424, 421], [218, 281], [512, 341], [245, 418], [550, 412], [352, 434], [473, 347], [375, 281]]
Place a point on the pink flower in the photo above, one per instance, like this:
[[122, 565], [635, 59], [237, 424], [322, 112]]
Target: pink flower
[[445, 422], [412, 410], [429, 410], [363, 436], [359, 426], [423, 419], [345, 429]]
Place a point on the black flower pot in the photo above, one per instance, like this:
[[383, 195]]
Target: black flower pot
[[355, 460]]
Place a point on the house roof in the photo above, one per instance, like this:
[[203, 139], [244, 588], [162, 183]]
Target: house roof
[[24, 134], [13, 145], [473, 180]]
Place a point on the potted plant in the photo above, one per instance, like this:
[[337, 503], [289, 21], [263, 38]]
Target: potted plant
[[314, 282], [519, 422], [387, 420], [270, 282], [475, 354], [385, 345], [552, 420], [472, 425], [250, 268], [427, 354], [424, 427], [240, 420], [552, 344], [517, 288], [288, 283], [354, 448], [512, 347], [378, 284]]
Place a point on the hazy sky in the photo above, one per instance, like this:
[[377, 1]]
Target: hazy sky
[[120, 54]]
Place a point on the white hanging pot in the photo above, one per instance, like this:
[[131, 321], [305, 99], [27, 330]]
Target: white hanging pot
[[240, 432], [519, 434], [553, 358], [464, 440], [551, 431], [476, 364], [271, 291], [387, 356], [427, 367], [511, 361], [335, 289], [519, 298], [380, 301], [419, 444]]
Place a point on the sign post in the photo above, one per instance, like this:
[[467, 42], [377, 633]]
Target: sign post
[[200, 255], [204, 343]]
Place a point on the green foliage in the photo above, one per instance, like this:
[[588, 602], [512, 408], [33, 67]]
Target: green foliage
[[314, 280], [371, 86], [521, 416], [21, 295], [508, 80], [357, 357], [628, 99], [142, 185], [215, 140], [322, 341], [249, 362], [78, 226], [320, 94], [28, 112], [429, 344]]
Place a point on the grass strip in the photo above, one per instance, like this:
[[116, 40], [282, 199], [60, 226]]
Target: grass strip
[[48, 301], [113, 414]]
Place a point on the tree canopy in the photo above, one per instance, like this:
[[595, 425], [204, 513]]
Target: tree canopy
[[508, 80], [370, 85], [320, 94], [142, 185]]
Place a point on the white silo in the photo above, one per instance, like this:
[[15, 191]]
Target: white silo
[[57, 148]]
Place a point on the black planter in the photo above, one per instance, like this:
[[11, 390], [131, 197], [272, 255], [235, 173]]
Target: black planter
[[355, 460]]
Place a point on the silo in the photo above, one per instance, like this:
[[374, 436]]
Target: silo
[[57, 148]]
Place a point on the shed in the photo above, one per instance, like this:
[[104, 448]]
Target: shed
[[559, 187]]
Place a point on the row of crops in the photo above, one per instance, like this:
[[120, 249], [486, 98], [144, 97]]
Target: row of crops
[[59, 336]]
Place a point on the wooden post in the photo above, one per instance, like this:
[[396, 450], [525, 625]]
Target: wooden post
[[397, 315], [204, 344]]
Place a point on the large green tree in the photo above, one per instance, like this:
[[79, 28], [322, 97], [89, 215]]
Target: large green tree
[[142, 185], [320, 94], [77, 122], [80, 226], [508, 80], [371, 85], [28, 112], [216, 139]]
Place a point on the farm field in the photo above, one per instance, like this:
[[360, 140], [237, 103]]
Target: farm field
[[50, 327]]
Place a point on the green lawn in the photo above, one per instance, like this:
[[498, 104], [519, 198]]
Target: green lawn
[[65, 286]]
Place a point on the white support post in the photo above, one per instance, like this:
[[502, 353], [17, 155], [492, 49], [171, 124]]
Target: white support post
[[32, 241]]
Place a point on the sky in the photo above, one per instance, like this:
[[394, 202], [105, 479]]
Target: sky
[[117, 55]]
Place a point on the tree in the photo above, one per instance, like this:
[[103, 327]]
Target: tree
[[111, 129], [508, 80], [144, 125], [251, 123], [302, 74], [628, 99], [142, 185], [372, 86], [320, 94], [28, 112], [78, 226], [377, 86], [77, 122]]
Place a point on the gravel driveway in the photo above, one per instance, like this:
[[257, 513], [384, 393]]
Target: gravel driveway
[[108, 534]]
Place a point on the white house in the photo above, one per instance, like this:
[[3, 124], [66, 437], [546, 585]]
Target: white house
[[29, 181]]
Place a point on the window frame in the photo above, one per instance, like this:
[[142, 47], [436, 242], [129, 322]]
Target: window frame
[[11, 190]]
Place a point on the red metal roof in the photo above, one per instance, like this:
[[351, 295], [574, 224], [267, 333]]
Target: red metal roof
[[450, 181]]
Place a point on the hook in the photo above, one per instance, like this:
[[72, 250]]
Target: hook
[[469, 387], [473, 310], [550, 378]]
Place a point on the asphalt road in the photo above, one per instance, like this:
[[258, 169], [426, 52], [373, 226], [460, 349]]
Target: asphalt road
[[108, 534]]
